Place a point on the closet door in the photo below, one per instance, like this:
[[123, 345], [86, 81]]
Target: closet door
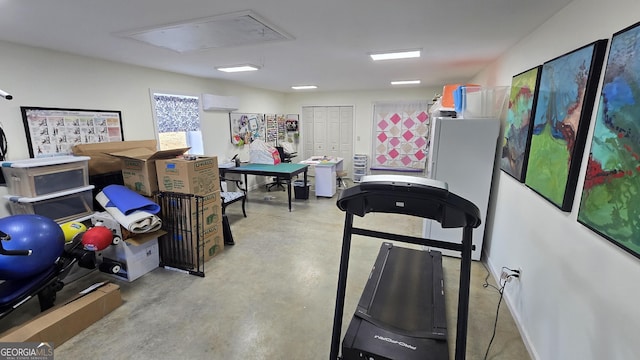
[[345, 144], [320, 130], [307, 133], [333, 132]]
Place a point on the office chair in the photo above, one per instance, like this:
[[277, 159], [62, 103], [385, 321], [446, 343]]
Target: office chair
[[285, 158]]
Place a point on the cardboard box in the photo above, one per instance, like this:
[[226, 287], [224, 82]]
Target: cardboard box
[[137, 255], [178, 249], [101, 162], [212, 241], [64, 321], [211, 208], [139, 167], [198, 177]]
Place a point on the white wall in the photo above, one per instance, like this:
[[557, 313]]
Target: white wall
[[578, 296], [43, 78], [362, 101]]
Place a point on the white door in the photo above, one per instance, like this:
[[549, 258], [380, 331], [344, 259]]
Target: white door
[[320, 130], [307, 133], [330, 134], [346, 138]]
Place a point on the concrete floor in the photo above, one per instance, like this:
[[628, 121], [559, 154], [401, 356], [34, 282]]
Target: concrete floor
[[270, 296]]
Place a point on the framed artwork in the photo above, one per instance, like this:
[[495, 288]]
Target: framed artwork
[[568, 86], [54, 131], [246, 127], [519, 121], [610, 203]]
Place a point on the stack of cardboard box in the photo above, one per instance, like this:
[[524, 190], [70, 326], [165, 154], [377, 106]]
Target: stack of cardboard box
[[197, 176]]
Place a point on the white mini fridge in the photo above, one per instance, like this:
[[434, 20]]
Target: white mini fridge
[[462, 153]]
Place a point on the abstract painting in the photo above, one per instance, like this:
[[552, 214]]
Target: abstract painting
[[610, 202], [517, 129], [568, 86]]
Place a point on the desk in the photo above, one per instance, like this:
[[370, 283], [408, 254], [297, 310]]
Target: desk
[[326, 169], [284, 171]]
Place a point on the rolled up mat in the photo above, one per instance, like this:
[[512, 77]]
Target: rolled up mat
[[128, 201], [139, 221]]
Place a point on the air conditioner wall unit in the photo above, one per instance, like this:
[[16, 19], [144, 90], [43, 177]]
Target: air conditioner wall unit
[[220, 103]]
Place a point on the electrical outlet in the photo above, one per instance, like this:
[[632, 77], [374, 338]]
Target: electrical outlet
[[504, 275]]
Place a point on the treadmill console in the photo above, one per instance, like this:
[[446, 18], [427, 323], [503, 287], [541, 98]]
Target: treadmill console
[[399, 182]]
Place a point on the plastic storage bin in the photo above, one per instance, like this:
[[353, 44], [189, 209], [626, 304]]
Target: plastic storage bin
[[42, 176], [482, 102], [61, 207]]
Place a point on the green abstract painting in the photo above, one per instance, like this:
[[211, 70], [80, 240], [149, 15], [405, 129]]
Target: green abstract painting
[[568, 85], [518, 123], [610, 202]]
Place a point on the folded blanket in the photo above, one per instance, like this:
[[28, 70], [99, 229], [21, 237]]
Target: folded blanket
[[137, 221], [128, 201]]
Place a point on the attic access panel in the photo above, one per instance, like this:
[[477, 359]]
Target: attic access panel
[[227, 30]]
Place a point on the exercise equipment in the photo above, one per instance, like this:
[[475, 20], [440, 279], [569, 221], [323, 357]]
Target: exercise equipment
[[71, 229], [41, 236], [97, 238], [401, 313], [34, 260]]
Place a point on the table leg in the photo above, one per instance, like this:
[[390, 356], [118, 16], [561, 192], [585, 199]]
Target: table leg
[[289, 192], [305, 181], [246, 186]]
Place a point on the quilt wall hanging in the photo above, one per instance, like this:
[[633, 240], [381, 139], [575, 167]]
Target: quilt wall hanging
[[401, 133]]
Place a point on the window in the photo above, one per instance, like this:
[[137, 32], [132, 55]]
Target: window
[[177, 120]]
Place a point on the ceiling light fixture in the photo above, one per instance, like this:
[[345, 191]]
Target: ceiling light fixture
[[238, 68], [405, 82], [304, 87], [407, 54]]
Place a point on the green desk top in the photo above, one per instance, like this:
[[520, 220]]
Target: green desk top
[[282, 167]]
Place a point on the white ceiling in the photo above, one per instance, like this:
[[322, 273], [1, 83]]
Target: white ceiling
[[332, 38]]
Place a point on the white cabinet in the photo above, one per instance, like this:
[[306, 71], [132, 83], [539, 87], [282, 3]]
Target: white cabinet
[[462, 153], [360, 166]]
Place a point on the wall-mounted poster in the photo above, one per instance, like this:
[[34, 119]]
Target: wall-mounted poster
[[275, 128], [568, 86], [517, 129], [610, 202], [246, 127], [54, 132], [292, 129]]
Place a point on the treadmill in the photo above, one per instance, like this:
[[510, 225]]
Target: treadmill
[[401, 312]]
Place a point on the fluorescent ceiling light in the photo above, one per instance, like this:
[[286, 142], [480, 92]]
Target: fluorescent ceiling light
[[238, 68], [396, 55], [304, 87], [406, 82]]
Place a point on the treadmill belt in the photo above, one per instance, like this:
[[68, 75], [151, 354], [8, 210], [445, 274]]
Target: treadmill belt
[[403, 297]]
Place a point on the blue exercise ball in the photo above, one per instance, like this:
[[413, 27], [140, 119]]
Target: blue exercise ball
[[41, 235]]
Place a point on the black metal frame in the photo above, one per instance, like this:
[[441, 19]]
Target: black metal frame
[[182, 248], [408, 195]]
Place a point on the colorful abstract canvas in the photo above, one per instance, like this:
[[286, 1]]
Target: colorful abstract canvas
[[401, 133], [517, 129], [610, 202], [568, 86]]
